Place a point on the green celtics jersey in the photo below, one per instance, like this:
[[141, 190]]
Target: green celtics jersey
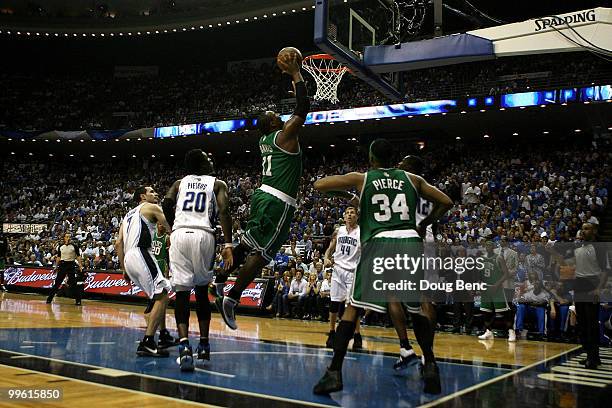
[[281, 169], [388, 203], [160, 248], [491, 271]]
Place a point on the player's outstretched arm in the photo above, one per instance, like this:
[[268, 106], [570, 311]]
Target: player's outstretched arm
[[441, 202], [169, 202], [225, 218], [342, 182], [288, 137]]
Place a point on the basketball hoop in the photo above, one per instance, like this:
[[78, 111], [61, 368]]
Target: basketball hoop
[[327, 73]]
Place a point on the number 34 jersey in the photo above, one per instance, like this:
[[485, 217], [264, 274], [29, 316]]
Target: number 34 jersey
[[388, 203], [348, 249], [196, 204]]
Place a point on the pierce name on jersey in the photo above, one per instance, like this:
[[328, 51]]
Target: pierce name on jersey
[[388, 203]]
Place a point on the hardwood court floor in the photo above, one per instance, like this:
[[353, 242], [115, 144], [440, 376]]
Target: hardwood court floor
[[80, 393], [89, 352], [30, 311]]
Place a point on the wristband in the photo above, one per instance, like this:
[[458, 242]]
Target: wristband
[[228, 246]]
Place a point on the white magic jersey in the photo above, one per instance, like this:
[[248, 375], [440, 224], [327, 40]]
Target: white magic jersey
[[348, 248], [196, 205], [137, 230], [423, 209]]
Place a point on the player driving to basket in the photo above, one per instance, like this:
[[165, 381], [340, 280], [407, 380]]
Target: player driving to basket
[[274, 202]]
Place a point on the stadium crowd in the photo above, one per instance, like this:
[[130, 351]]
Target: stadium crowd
[[189, 95], [519, 196]]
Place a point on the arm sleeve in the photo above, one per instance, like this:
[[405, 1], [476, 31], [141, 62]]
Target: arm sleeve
[[303, 103]]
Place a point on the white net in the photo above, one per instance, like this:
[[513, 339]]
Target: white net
[[327, 73]]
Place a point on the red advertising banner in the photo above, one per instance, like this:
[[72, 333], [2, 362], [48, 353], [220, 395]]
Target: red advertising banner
[[113, 284]]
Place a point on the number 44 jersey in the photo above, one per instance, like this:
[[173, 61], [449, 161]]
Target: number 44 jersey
[[196, 205], [348, 249], [388, 203]]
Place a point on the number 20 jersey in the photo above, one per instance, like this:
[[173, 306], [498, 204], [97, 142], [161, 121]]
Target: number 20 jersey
[[196, 204], [388, 203]]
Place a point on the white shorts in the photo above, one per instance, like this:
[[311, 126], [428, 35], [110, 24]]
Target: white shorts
[[341, 283], [192, 255], [144, 272]]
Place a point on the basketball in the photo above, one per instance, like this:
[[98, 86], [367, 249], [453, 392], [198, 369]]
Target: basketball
[[286, 53]]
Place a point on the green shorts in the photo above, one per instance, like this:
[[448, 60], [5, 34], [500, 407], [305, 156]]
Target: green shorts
[[163, 266], [494, 302], [364, 273], [269, 224]]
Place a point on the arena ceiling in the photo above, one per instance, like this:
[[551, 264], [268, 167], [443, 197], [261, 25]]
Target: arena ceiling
[[92, 15]]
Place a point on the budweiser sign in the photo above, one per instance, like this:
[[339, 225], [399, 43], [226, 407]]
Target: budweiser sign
[[104, 281], [39, 278], [113, 284]]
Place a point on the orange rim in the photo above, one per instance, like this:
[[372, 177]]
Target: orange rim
[[316, 57]]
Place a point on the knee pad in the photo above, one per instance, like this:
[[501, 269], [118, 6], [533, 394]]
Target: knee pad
[[203, 305], [149, 306], [334, 307], [181, 307]]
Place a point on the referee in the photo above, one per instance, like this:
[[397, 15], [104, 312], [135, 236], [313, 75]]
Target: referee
[[68, 258], [591, 277]]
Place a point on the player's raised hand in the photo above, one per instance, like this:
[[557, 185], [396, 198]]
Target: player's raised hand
[[228, 257]]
